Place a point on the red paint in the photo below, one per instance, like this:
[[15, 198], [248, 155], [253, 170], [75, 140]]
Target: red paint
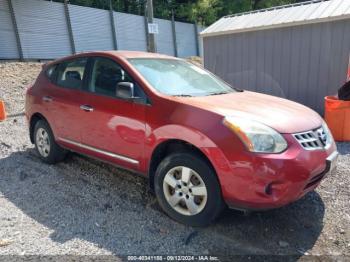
[[348, 74], [135, 130]]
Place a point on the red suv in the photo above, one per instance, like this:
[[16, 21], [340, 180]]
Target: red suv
[[202, 143]]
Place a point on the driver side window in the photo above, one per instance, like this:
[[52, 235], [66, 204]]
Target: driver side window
[[105, 76]]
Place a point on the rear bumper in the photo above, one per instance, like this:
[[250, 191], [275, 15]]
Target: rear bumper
[[267, 181]]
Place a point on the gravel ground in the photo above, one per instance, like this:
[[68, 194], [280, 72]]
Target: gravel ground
[[84, 207]]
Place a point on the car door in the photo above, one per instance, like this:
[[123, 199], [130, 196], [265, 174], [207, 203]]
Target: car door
[[115, 128], [64, 99]]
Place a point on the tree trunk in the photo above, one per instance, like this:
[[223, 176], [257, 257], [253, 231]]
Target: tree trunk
[[255, 4]]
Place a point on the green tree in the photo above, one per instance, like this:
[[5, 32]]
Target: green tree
[[204, 12]]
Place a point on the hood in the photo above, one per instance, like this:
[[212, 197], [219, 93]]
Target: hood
[[283, 115]]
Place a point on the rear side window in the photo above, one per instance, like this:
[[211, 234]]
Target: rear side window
[[50, 72], [71, 73]]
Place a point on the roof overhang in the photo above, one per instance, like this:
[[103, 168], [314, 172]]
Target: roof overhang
[[312, 12], [259, 28]]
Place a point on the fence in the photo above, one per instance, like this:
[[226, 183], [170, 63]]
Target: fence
[[34, 29]]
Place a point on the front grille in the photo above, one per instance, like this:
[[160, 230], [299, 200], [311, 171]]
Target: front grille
[[313, 139]]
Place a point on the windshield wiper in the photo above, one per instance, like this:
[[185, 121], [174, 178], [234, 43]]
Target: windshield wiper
[[218, 93], [224, 92], [183, 95]]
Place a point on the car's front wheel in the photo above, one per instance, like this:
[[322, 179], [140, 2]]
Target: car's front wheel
[[47, 148], [188, 190]]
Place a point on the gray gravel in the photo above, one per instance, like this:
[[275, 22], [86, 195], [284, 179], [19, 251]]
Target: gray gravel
[[84, 207]]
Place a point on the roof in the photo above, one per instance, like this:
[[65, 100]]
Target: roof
[[119, 53], [138, 54], [129, 54], [281, 16]]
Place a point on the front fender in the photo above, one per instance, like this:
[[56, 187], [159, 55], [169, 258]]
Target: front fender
[[190, 136]]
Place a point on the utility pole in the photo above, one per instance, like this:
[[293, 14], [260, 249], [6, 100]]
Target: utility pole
[[173, 29], [114, 34], [69, 26], [151, 38]]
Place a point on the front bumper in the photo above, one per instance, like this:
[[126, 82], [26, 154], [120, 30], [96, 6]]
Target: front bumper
[[266, 181]]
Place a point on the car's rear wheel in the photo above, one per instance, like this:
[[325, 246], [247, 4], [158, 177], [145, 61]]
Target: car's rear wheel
[[188, 190], [47, 148]]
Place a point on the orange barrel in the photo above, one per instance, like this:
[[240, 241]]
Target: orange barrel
[[2, 111], [337, 116]]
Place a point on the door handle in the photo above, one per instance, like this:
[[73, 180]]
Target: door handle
[[47, 98], [86, 108]]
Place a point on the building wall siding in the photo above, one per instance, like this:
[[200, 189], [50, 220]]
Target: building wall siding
[[302, 63], [186, 39], [91, 34], [164, 40], [42, 29], [130, 32], [8, 41], [44, 33]]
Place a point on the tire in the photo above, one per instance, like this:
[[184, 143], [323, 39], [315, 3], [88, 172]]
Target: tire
[[45, 145], [181, 200]]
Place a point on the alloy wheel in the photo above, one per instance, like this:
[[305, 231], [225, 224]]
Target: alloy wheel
[[185, 190], [43, 142]]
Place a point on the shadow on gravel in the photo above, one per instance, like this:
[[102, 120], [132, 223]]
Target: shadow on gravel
[[112, 209]]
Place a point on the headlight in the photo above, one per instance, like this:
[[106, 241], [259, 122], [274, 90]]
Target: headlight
[[328, 134], [256, 136]]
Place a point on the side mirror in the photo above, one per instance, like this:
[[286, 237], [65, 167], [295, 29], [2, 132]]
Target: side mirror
[[125, 90]]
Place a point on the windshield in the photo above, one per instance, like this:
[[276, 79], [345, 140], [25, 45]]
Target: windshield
[[179, 78]]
